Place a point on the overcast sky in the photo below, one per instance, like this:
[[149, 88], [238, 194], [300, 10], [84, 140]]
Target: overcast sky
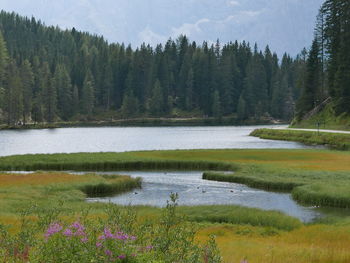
[[286, 25]]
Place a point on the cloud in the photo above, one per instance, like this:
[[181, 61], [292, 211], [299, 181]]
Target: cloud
[[189, 29], [233, 3], [150, 37]]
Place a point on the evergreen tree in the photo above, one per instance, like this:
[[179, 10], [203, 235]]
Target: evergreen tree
[[62, 83], [216, 105], [130, 106], [27, 78], [13, 95], [156, 103], [88, 96], [49, 94], [3, 66], [310, 94]]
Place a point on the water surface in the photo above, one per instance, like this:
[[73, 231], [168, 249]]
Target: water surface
[[121, 139], [193, 190]]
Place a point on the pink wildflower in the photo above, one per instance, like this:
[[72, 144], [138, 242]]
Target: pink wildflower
[[77, 225], [84, 240], [53, 229], [108, 252], [68, 232], [122, 257], [108, 234], [98, 244]]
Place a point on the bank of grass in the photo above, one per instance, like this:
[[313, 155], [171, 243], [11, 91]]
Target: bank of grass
[[238, 215], [296, 171], [19, 191], [334, 140]]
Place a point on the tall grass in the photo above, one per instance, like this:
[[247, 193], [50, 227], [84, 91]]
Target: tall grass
[[321, 194], [115, 185], [241, 216], [253, 180], [334, 140], [273, 170]]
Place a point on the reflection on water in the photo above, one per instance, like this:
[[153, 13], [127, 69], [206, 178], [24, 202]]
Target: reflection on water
[[121, 139], [193, 190]]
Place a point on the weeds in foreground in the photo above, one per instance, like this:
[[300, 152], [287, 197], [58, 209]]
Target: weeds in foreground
[[118, 237]]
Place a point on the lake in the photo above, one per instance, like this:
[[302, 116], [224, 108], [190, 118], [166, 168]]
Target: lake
[[121, 139], [193, 190]]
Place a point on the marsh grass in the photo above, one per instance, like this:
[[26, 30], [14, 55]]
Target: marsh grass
[[293, 171], [115, 186], [333, 140], [241, 216]]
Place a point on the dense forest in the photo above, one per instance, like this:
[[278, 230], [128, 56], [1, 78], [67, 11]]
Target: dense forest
[[327, 72], [49, 75]]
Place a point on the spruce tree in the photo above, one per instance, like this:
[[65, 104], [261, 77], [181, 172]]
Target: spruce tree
[[27, 78], [88, 95], [310, 94]]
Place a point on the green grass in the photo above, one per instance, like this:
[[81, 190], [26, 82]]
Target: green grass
[[66, 193], [240, 216], [114, 185], [296, 171], [334, 140]]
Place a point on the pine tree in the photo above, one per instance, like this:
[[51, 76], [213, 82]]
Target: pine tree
[[310, 94], [62, 83], [156, 103], [88, 96], [3, 66], [130, 106], [13, 95], [27, 78], [216, 105], [49, 94]]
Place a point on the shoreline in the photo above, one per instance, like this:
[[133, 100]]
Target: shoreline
[[146, 122]]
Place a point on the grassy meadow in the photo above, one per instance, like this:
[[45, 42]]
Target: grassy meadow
[[318, 177]]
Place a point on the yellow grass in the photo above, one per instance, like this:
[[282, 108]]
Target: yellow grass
[[301, 159], [36, 179], [310, 244]]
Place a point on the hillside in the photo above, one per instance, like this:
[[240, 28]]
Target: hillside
[[50, 75]]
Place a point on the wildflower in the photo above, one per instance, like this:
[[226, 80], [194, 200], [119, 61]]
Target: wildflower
[[244, 261], [68, 232], [108, 252], [102, 237], [78, 226], [122, 257], [98, 244], [84, 240], [53, 229], [79, 233], [108, 234]]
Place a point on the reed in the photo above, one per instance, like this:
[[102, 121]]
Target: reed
[[241, 216]]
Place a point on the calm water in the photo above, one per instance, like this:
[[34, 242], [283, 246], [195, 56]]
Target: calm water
[[193, 190], [121, 139]]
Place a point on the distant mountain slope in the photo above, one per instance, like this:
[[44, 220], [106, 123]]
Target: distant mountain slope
[[286, 25]]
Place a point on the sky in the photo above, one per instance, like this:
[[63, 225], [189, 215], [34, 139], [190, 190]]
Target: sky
[[284, 25]]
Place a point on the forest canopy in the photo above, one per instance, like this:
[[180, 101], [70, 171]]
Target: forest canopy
[[48, 75]]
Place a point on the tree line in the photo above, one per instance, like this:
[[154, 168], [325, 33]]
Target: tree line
[[48, 74], [327, 71]]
